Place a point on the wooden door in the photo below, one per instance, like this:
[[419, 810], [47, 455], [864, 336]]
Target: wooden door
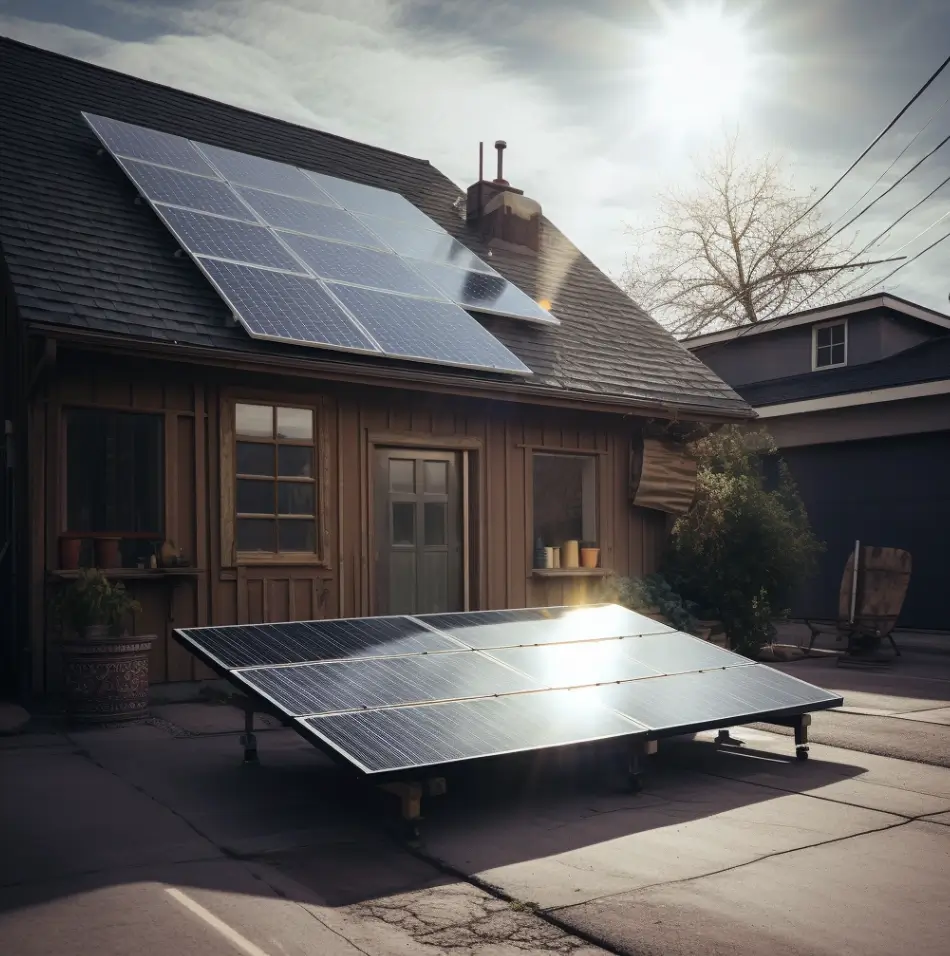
[[417, 532]]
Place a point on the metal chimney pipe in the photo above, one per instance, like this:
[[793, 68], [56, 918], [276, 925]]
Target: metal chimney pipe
[[481, 161], [500, 145]]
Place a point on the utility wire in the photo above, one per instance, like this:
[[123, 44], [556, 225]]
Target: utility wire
[[894, 162], [914, 258]]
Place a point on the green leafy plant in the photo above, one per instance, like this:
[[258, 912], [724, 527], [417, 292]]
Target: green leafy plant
[[744, 546], [649, 594], [92, 599]]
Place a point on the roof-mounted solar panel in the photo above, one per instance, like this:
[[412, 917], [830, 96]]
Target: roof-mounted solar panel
[[278, 248]]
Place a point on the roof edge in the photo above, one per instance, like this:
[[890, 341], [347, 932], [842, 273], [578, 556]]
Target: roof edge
[[834, 311]]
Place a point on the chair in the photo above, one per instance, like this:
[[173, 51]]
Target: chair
[[869, 600]]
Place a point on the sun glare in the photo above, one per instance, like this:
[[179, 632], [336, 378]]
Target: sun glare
[[699, 67]]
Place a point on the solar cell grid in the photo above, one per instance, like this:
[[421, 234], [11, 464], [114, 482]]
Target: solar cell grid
[[204, 235], [405, 737], [257, 645], [409, 327], [137, 142], [276, 305], [384, 682], [369, 267], [200, 193], [300, 215], [430, 245], [369, 199]]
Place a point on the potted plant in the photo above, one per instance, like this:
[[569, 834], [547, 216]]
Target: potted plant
[[590, 554], [106, 673]]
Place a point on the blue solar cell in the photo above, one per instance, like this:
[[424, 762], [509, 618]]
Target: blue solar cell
[[345, 263], [184, 189], [484, 293], [136, 142], [429, 244], [275, 305], [379, 202], [331, 222], [247, 170], [408, 327], [204, 235]]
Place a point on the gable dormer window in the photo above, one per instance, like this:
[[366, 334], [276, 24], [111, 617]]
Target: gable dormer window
[[829, 345]]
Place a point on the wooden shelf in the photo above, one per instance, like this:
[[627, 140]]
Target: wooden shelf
[[133, 574], [571, 572]]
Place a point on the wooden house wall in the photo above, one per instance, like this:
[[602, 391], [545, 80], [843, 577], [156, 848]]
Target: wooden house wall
[[498, 436]]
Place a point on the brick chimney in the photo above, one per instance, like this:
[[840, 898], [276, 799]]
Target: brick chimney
[[504, 216]]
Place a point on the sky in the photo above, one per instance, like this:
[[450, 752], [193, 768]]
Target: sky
[[603, 103]]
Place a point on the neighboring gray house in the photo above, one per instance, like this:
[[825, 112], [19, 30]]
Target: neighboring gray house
[[857, 397]]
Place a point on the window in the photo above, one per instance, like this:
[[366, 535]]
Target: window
[[114, 479], [565, 498], [829, 345], [275, 480]]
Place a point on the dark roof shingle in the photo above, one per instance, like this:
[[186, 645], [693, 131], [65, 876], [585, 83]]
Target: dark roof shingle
[[82, 253]]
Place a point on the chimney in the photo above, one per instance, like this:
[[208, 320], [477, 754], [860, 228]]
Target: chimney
[[504, 216]]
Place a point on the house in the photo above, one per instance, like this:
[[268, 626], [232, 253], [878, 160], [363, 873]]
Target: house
[[857, 397], [135, 401]]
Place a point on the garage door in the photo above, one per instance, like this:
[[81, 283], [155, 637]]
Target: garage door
[[889, 492]]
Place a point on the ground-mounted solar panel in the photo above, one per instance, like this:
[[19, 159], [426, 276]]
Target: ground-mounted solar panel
[[427, 244], [490, 629], [481, 292], [314, 219], [285, 308], [732, 695], [359, 198], [151, 146], [367, 267], [427, 330], [219, 238], [246, 170], [175, 188], [406, 738], [307, 689], [293, 642]]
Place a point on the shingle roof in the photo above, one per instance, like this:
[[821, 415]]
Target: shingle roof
[[82, 254], [927, 362]]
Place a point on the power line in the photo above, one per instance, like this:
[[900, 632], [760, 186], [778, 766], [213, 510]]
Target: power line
[[895, 161], [914, 258], [878, 138]]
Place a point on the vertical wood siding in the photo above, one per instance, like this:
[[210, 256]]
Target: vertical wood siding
[[498, 436]]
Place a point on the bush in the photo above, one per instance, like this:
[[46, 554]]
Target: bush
[[743, 547], [652, 591]]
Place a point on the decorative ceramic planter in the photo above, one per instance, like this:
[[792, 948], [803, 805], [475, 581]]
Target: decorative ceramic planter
[[590, 557], [107, 553], [70, 547], [106, 677]]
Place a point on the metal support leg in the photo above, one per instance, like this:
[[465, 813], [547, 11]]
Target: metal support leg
[[410, 804], [897, 650], [635, 767], [249, 738], [724, 737], [801, 736]]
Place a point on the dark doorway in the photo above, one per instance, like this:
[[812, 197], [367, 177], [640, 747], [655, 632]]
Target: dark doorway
[[418, 532]]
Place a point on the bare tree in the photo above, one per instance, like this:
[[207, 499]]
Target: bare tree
[[739, 247]]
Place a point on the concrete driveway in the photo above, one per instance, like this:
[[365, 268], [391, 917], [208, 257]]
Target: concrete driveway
[[155, 839]]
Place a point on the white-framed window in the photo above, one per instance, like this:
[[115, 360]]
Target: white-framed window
[[829, 345]]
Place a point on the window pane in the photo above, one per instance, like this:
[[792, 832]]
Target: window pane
[[254, 421], [255, 497], [256, 534], [402, 475], [296, 535], [436, 477], [837, 354], [114, 471], [823, 336], [253, 458], [295, 461], [295, 423], [404, 522], [434, 516], [565, 500], [294, 498]]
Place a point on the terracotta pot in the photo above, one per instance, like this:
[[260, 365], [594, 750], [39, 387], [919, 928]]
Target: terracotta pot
[[107, 553], [106, 677], [69, 549], [590, 557]]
